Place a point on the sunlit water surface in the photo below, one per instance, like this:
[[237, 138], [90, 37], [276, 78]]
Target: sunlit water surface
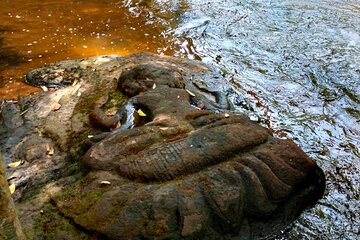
[[292, 65], [33, 33]]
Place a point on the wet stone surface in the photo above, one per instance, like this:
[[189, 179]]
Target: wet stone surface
[[143, 147]]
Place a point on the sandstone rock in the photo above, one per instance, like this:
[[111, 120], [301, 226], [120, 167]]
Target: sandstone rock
[[175, 172], [9, 223]]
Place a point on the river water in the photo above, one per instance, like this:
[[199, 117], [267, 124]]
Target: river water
[[292, 65]]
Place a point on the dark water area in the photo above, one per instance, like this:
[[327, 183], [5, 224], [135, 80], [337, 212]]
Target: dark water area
[[294, 66]]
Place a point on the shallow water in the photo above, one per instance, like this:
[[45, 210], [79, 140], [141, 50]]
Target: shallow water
[[34, 33], [292, 65], [295, 66]]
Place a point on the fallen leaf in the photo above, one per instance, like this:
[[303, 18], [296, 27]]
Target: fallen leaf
[[23, 112], [79, 94], [105, 182], [76, 88], [116, 126], [190, 93], [39, 133], [201, 106], [14, 164], [44, 88], [90, 136], [141, 113], [49, 149], [111, 111], [154, 86], [12, 188], [55, 106], [226, 115]]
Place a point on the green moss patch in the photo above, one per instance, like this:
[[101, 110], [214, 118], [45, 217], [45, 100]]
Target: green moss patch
[[52, 225], [116, 100]]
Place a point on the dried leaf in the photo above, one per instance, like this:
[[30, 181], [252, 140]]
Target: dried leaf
[[190, 93], [49, 149], [76, 88], [79, 94], [14, 164], [12, 188], [44, 88], [201, 106], [141, 113], [116, 126], [39, 133], [105, 182], [23, 112], [226, 115], [90, 136], [55, 106], [111, 111], [154, 86]]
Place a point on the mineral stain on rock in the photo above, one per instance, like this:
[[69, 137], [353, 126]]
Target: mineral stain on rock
[[183, 173]]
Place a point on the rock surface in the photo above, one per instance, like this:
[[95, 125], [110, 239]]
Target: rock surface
[[142, 147], [9, 223]]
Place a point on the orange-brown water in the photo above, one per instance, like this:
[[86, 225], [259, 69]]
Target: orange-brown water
[[34, 33]]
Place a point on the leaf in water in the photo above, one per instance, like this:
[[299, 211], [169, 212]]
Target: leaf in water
[[190, 93], [105, 182], [55, 106], [14, 164], [12, 188], [141, 113]]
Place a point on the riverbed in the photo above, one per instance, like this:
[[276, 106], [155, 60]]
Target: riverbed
[[293, 66]]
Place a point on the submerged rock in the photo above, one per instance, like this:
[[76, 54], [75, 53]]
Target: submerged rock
[[129, 155]]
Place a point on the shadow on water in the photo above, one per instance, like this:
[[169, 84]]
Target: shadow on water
[[8, 55]]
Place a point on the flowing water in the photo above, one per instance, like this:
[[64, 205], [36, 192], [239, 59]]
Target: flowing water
[[292, 65]]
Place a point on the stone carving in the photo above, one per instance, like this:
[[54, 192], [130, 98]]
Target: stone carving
[[176, 171]]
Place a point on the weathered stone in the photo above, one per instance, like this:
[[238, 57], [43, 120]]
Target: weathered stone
[[171, 172], [10, 228]]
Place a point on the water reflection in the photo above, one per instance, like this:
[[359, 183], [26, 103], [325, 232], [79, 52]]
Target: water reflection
[[43, 32]]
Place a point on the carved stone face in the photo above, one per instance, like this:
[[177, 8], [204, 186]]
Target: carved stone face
[[188, 173]]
